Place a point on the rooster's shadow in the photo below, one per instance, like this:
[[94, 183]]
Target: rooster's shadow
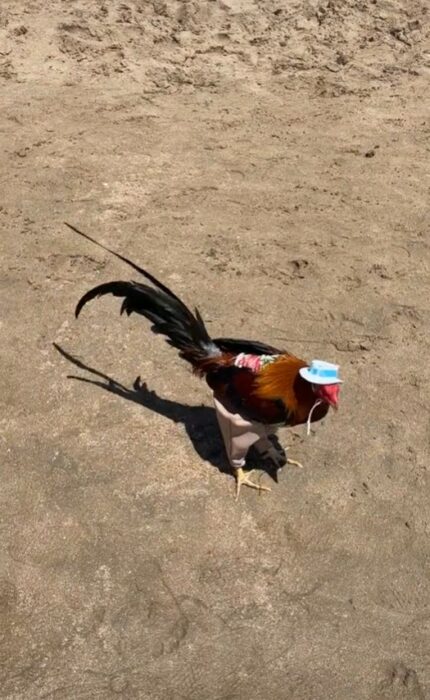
[[200, 422]]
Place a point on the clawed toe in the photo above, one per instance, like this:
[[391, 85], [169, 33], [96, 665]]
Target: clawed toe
[[242, 479], [296, 464]]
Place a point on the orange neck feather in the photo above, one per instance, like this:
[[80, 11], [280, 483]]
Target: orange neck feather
[[278, 381]]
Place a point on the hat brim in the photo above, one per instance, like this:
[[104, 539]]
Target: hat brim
[[315, 379]]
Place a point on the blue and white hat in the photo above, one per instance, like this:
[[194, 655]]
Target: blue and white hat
[[320, 372]]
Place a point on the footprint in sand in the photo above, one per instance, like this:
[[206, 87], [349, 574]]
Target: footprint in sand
[[399, 683]]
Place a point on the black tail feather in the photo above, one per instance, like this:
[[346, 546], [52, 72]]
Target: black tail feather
[[169, 316], [139, 269], [167, 313], [118, 289], [253, 347]]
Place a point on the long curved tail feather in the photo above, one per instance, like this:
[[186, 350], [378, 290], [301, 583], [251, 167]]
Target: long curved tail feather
[[132, 264], [168, 314]]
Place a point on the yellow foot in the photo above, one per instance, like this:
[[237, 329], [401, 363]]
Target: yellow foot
[[242, 479], [293, 461]]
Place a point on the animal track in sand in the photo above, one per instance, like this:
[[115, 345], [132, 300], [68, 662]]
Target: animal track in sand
[[400, 683]]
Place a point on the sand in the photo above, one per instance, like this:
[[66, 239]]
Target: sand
[[269, 162]]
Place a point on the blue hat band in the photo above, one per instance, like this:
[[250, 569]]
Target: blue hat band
[[329, 373]]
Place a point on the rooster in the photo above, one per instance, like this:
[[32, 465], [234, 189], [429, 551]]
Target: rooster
[[256, 387]]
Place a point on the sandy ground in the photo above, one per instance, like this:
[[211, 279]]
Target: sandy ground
[[269, 161]]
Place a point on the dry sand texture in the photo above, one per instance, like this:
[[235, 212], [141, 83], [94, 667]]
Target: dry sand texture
[[269, 161]]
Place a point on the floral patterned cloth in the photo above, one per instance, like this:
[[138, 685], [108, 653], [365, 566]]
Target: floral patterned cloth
[[254, 362]]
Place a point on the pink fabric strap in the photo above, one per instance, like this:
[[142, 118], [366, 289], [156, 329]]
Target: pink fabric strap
[[239, 434]]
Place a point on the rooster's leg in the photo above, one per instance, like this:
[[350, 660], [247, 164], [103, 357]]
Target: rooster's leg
[[242, 479], [239, 435], [268, 450]]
